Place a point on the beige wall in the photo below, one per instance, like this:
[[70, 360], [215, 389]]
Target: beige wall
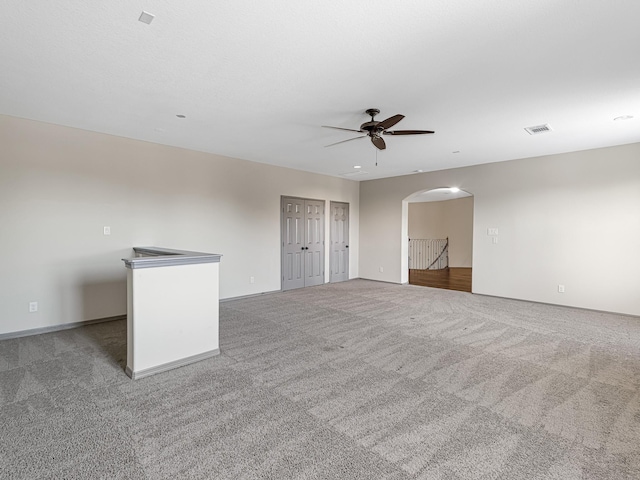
[[60, 186], [568, 219], [452, 219]]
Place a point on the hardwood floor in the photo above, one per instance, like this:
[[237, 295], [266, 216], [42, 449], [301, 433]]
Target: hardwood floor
[[449, 278]]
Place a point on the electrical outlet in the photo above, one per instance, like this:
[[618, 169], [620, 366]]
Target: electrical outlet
[[560, 288], [495, 239], [381, 270], [252, 279], [106, 230], [33, 307]]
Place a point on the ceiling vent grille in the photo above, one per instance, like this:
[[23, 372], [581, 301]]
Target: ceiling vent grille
[[146, 17], [538, 129]]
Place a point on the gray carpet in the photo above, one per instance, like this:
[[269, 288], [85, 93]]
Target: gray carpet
[[359, 380]]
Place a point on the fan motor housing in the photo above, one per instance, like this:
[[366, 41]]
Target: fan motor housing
[[369, 126]]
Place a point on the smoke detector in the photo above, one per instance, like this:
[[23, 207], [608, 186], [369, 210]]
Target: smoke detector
[[538, 129]]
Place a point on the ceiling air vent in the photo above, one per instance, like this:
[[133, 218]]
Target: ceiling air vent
[[538, 129], [146, 17]]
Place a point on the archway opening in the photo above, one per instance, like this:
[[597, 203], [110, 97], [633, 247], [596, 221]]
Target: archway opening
[[439, 238]]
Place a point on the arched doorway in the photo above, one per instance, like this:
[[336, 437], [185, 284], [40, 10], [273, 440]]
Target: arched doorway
[[440, 238]]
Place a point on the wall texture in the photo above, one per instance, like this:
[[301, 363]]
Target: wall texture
[[60, 186], [569, 219], [452, 219]]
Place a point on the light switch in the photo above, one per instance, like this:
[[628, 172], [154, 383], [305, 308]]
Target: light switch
[[492, 231], [107, 230]]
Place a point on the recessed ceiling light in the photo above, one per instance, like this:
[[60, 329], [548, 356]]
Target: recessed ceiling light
[[454, 189], [146, 17], [357, 166], [181, 116], [624, 117]]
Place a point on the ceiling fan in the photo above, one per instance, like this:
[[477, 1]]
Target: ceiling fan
[[375, 130]]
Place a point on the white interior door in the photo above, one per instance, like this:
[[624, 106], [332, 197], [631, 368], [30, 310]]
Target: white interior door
[[339, 253]]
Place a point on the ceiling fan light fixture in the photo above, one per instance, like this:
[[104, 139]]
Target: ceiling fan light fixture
[[375, 129]]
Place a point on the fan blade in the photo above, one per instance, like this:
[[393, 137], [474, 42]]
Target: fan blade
[[340, 128], [407, 132], [348, 140], [390, 122], [379, 143]]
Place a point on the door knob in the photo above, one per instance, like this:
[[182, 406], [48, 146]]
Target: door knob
[[347, 246]]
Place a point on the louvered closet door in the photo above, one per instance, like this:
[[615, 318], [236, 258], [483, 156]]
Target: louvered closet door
[[302, 242]]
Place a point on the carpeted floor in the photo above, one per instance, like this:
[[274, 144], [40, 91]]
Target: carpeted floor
[[358, 380]]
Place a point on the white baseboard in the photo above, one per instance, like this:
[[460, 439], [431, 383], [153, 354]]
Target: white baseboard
[[171, 365], [57, 328]]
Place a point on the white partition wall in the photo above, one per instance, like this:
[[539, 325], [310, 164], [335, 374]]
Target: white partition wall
[[172, 310]]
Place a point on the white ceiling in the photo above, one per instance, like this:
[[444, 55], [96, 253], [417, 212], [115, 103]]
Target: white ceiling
[[256, 80]]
